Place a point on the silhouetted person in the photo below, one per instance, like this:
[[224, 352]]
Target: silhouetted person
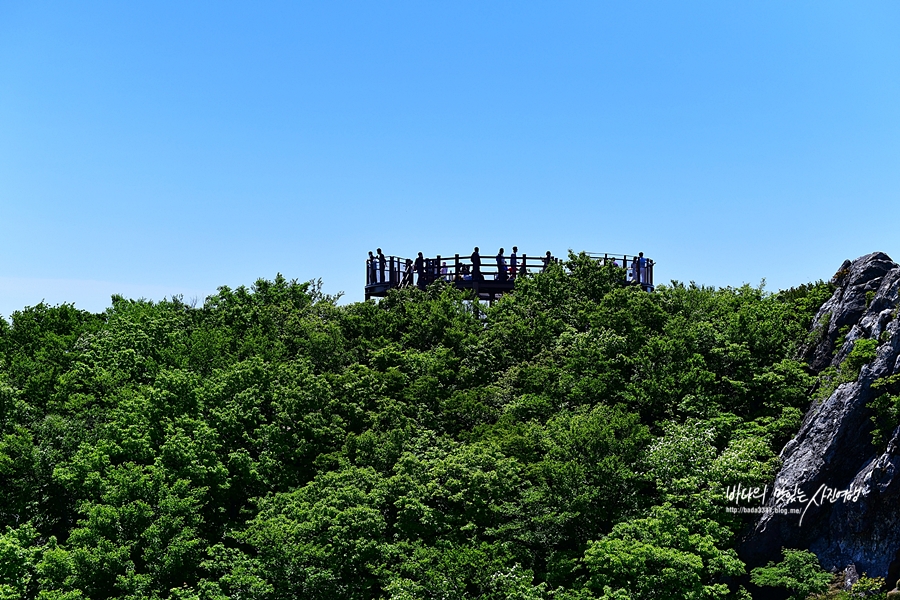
[[635, 270], [514, 262], [476, 265], [502, 273], [381, 262], [372, 268], [408, 274], [547, 260], [420, 271]]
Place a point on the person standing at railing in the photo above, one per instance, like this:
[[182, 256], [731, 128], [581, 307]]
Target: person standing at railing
[[381, 263], [646, 273], [372, 269], [514, 262], [502, 272], [420, 271], [642, 266], [547, 260], [476, 265], [408, 274]]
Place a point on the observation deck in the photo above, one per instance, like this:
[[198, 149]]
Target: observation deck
[[485, 275]]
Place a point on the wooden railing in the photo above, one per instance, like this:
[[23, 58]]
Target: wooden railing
[[386, 270], [491, 277]]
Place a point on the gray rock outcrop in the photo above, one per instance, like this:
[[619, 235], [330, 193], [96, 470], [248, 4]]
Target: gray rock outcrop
[[850, 489], [847, 306]]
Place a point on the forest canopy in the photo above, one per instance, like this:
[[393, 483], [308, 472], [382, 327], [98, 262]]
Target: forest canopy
[[571, 441]]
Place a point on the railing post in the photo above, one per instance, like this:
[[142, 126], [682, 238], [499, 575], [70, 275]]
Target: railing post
[[456, 275], [437, 267], [391, 271]]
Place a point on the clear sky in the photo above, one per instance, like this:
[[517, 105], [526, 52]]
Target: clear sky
[[157, 148]]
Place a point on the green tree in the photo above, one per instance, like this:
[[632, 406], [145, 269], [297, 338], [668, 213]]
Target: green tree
[[670, 554], [799, 573]]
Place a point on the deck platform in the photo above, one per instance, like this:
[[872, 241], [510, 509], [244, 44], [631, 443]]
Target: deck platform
[[490, 280]]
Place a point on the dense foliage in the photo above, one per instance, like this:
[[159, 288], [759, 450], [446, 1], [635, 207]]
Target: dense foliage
[[800, 573], [571, 441]]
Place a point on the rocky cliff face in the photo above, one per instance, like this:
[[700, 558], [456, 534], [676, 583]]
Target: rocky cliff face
[[847, 488]]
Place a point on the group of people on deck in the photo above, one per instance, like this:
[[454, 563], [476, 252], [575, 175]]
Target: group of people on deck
[[427, 270], [505, 271], [509, 267], [376, 266], [638, 271]]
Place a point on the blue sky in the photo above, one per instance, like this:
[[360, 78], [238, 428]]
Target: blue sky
[[159, 148]]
